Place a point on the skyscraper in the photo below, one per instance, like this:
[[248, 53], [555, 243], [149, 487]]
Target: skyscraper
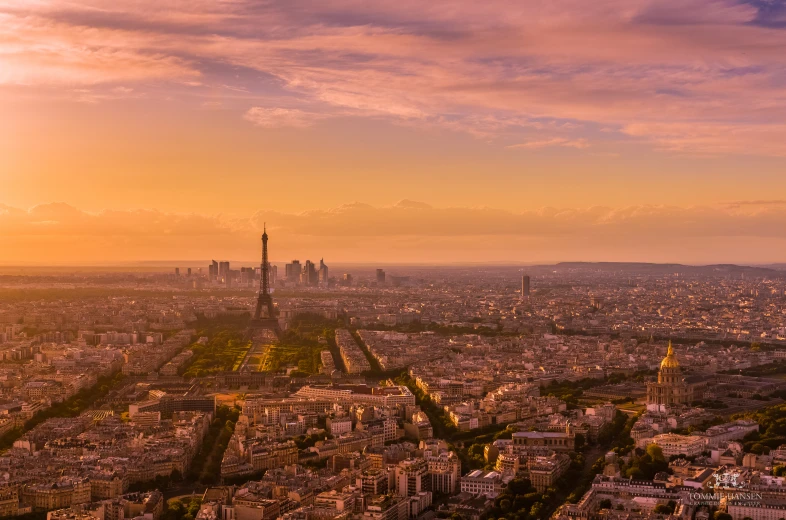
[[323, 273], [525, 285], [223, 269], [309, 275], [292, 271], [248, 275], [380, 276]]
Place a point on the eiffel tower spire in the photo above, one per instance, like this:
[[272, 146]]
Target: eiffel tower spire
[[264, 300]]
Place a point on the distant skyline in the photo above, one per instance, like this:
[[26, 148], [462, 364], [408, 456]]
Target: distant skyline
[[409, 131]]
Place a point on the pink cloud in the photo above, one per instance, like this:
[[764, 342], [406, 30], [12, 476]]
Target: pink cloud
[[277, 117], [684, 76], [556, 141], [38, 51]]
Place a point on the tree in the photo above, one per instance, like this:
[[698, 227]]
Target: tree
[[634, 473], [580, 441], [605, 503], [720, 515], [531, 498], [193, 507], [759, 449], [655, 452], [476, 449], [536, 511], [663, 509], [519, 486], [175, 510]]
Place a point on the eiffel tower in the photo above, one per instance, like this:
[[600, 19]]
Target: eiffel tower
[[265, 310]]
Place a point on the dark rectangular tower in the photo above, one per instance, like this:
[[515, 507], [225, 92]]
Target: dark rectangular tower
[[525, 285]]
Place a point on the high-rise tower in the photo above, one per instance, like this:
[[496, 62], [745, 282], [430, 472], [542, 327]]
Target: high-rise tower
[[323, 273], [525, 285], [264, 300]]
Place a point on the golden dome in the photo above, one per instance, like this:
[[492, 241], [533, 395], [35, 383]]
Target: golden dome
[[670, 361]]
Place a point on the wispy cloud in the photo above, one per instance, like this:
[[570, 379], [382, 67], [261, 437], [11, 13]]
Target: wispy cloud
[[683, 76], [556, 141], [93, 96], [755, 203], [407, 231], [278, 117]]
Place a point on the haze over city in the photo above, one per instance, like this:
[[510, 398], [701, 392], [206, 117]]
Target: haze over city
[[392, 260], [410, 132]]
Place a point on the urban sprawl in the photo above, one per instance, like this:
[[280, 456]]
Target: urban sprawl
[[570, 391]]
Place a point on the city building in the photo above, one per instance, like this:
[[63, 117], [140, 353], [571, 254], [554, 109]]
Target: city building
[[673, 444], [558, 441], [479, 482], [672, 387]]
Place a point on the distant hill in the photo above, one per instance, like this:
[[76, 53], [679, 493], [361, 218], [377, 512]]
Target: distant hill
[[779, 266], [777, 270]]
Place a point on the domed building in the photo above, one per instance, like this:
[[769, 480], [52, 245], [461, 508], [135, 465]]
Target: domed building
[[672, 388]]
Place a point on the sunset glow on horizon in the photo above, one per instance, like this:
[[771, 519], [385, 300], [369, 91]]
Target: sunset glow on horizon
[[423, 132]]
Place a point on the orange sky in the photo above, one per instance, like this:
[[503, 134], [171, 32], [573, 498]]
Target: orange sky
[[526, 131]]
